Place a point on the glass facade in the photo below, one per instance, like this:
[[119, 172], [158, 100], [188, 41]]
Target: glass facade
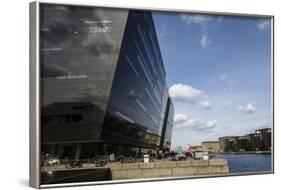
[[137, 93], [169, 129], [79, 52], [103, 85], [166, 136]]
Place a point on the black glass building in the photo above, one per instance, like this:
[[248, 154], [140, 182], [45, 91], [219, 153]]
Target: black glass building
[[103, 85]]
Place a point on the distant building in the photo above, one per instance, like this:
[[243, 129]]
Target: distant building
[[243, 143], [211, 146], [195, 148], [263, 137], [260, 140], [253, 141], [228, 144]]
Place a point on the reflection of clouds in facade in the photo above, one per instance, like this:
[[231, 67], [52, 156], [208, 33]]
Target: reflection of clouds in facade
[[77, 37], [73, 39], [54, 70]]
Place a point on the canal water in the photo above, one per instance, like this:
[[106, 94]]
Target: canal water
[[247, 162]]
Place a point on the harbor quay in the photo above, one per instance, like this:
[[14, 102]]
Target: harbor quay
[[119, 171], [136, 170]]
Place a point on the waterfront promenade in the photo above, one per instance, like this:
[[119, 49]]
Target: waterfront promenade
[[168, 169], [138, 170]]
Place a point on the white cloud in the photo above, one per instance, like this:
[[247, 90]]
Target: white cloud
[[184, 92], [182, 121], [179, 118], [202, 20], [205, 41], [199, 18], [223, 76], [264, 24], [195, 18], [211, 124], [249, 108], [205, 104]]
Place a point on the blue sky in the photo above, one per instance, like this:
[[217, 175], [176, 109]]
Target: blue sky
[[218, 73]]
